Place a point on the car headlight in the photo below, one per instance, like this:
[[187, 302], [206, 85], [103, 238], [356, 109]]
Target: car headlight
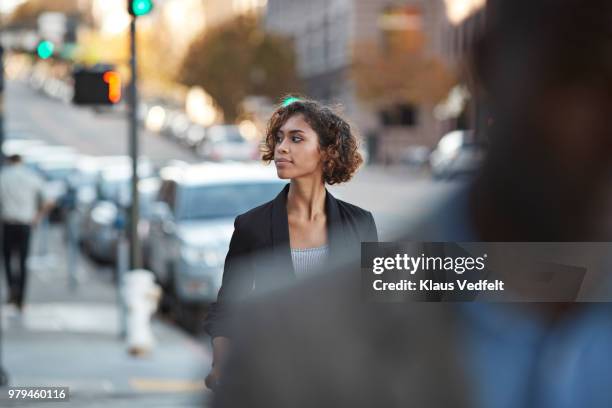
[[207, 257]]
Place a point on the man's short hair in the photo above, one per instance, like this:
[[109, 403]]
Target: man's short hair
[[14, 158]]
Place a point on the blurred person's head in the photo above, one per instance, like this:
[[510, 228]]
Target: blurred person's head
[[544, 73], [14, 159], [306, 139]]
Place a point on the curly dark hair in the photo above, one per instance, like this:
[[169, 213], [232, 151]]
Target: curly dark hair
[[337, 142]]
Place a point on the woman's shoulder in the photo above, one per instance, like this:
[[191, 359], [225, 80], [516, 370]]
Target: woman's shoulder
[[353, 210], [361, 218], [254, 216]]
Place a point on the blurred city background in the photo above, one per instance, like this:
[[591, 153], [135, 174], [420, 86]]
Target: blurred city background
[[210, 74]]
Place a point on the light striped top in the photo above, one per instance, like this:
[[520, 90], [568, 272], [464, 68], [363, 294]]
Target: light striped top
[[308, 260]]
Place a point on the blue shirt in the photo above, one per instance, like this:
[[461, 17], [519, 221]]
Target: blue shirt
[[513, 356]]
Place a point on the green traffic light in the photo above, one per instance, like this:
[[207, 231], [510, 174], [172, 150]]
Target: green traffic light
[[142, 7], [45, 49]]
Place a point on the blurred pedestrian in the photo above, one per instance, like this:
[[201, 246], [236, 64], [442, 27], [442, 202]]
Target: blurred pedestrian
[[22, 205], [544, 72], [304, 225]]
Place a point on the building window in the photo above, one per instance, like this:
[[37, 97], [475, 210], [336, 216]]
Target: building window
[[399, 115]]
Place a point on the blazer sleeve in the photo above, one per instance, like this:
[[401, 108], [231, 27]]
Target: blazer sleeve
[[237, 283], [371, 231]]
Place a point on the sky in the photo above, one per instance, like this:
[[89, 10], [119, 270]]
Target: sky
[[6, 6]]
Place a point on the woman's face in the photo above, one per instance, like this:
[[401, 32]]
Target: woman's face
[[297, 153]]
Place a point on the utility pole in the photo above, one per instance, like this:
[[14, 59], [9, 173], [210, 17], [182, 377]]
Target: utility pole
[[3, 374], [136, 8], [1, 99], [135, 252]]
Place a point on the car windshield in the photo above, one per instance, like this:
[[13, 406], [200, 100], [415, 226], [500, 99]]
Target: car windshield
[[234, 136], [224, 200], [230, 134], [58, 173], [110, 189]]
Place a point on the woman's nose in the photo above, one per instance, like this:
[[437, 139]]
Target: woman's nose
[[282, 147]]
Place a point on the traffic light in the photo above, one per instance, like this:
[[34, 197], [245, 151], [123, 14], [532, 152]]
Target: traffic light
[[45, 49], [140, 7], [96, 87]]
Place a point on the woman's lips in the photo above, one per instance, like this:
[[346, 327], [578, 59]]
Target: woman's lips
[[282, 162]]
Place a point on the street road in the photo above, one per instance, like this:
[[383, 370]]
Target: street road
[[99, 134], [390, 193]]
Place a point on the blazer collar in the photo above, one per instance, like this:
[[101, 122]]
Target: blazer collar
[[280, 225]]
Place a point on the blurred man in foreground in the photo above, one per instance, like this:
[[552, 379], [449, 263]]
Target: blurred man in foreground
[[544, 72]]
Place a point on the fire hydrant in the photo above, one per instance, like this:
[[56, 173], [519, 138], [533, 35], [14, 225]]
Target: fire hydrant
[[141, 298]]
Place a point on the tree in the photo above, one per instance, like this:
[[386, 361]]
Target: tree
[[27, 13], [409, 77], [238, 59]]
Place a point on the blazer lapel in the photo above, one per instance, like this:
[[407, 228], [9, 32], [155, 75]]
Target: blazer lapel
[[336, 235], [280, 234]]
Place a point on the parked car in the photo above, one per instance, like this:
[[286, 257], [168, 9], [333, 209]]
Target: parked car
[[102, 217], [39, 152], [416, 157], [19, 146], [178, 126], [223, 142], [58, 171], [193, 135], [457, 153], [191, 227], [107, 218]]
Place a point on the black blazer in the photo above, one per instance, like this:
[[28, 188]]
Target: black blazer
[[259, 256]]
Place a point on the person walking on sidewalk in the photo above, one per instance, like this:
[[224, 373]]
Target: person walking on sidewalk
[[22, 205]]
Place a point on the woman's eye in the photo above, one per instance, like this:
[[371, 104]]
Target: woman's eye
[[296, 139], [279, 138]]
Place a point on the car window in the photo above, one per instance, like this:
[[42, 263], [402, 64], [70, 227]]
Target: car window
[[233, 135], [110, 189], [224, 200]]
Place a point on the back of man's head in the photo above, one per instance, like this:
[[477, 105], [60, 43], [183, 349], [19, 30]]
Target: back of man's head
[[544, 73], [14, 159]]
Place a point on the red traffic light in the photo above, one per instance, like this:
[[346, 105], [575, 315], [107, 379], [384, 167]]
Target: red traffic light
[[96, 87], [113, 80]]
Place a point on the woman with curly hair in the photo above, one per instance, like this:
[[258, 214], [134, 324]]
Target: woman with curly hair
[[296, 232]]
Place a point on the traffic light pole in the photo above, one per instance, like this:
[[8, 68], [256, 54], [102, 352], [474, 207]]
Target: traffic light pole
[[3, 374], [135, 253]]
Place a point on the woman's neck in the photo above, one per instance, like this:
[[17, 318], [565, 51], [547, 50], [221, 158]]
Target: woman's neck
[[306, 199]]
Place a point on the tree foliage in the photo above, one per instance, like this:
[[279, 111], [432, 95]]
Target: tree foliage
[[392, 75], [239, 59], [26, 14]]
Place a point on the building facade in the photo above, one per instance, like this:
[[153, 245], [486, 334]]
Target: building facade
[[330, 34], [466, 20]]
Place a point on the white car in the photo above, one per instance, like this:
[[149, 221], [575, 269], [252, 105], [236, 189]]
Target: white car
[[18, 146], [224, 142], [192, 223], [457, 154]]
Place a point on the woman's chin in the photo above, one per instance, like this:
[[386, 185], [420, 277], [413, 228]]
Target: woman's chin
[[283, 174]]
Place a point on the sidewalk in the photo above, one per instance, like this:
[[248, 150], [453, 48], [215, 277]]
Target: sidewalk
[[71, 338]]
